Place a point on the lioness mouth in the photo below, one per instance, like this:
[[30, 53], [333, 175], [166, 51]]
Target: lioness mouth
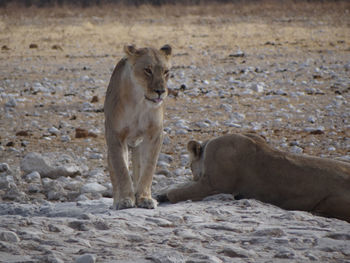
[[156, 100]]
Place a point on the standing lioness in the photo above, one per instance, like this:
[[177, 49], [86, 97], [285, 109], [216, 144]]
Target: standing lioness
[[134, 118], [247, 166]]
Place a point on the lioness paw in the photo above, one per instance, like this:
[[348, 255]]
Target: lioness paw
[[161, 198], [125, 204], [148, 203]]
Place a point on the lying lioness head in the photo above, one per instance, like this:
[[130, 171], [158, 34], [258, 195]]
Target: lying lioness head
[[246, 166]]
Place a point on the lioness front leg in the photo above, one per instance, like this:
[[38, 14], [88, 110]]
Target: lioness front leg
[[123, 191], [148, 155], [194, 191]]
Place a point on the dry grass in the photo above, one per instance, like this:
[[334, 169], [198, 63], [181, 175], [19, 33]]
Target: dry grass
[[289, 10]]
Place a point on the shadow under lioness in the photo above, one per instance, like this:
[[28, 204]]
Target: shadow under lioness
[[246, 166]]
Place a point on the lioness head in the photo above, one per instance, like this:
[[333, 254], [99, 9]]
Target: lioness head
[[151, 71], [196, 151]]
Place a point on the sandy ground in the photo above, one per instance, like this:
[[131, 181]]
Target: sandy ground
[[281, 71]]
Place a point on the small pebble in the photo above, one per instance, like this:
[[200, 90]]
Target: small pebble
[[93, 188], [65, 138], [53, 131], [87, 258], [4, 167], [33, 177], [12, 103], [9, 236], [296, 149]]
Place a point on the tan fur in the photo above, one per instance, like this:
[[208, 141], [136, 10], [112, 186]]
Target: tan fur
[[134, 119], [246, 166]]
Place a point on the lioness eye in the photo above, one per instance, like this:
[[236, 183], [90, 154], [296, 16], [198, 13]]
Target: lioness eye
[[166, 72], [148, 71]]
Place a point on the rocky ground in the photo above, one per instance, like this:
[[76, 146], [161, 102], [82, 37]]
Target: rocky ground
[[281, 71]]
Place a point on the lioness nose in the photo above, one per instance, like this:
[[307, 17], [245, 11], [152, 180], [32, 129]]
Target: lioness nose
[[159, 91]]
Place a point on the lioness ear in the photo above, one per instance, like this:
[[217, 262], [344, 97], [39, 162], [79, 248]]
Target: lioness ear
[[166, 50], [130, 50], [194, 148]]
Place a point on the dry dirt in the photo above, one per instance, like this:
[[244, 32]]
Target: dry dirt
[[77, 50]]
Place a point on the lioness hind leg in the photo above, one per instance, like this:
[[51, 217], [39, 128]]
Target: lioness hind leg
[[337, 206], [123, 191]]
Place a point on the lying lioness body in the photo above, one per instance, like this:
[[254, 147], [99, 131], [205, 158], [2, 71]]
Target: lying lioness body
[[246, 166]]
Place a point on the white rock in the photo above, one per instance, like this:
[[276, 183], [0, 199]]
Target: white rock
[[82, 197], [12, 103], [47, 182], [182, 124], [232, 80], [52, 165], [87, 258], [35, 188], [87, 106], [54, 131], [54, 195], [163, 164], [187, 171], [9, 236], [35, 162], [96, 156], [226, 107], [184, 160], [211, 94], [202, 124], [237, 117], [93, 188], [280, 92], [258, 87], [38, 87], [232, 124], [65, 138], [165, 158], [238, 53], [181, 132], [166, 140], [247, 92], [96, 173], [6, 182], [4, 167], [85, 78], [310, 90], [54, 259], [237, 252], [33, 177], [296, 149]]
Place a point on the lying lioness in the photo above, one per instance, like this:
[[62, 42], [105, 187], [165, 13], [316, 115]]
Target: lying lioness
[[246, 166]]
